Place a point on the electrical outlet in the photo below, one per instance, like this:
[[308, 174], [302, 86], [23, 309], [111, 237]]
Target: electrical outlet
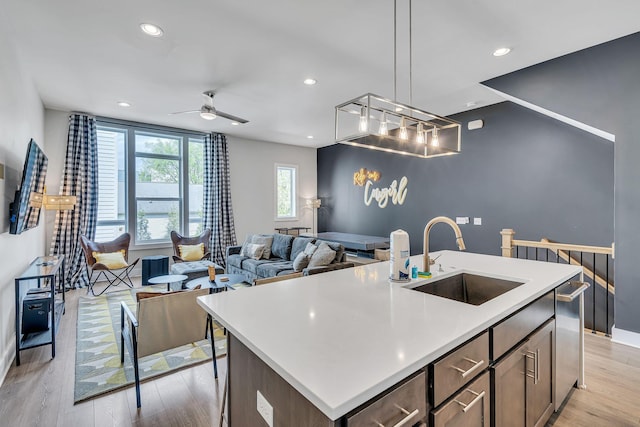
[[462, 220], [477, 221], [264, 409]]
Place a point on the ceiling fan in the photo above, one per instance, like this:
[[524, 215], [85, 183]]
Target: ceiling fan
[[209, 112]]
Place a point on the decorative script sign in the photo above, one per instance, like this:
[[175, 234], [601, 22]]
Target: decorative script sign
[[397, 192]]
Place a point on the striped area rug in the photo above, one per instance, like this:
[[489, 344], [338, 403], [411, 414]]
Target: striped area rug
[[98, 367]]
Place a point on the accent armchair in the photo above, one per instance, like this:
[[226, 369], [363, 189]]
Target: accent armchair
[[179, 240], [161, 323], [109, 260]]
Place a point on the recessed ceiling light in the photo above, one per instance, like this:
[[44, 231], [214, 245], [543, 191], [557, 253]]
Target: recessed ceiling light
[[123, 104], [309, 136], [234, 123], [309, 81], [151, 30], [398, 109], [501, 52], [472, 104]]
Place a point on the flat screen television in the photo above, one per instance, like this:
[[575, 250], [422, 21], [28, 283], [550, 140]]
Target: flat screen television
[[24, 212]]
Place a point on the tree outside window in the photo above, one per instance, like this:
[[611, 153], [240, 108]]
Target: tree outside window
[[286, 191]]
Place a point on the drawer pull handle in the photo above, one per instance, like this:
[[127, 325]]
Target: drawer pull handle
[[405, 420], [468, 372], [468, 406]]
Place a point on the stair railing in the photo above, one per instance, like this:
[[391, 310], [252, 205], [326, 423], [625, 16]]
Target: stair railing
[[585, 256]]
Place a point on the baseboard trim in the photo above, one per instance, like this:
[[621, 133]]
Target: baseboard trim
[[629, 338], [7, 361]]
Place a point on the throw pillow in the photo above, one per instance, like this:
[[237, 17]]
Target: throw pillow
[[267, 241], [301, 262], [281, 247], [112, 260], [338, 248], [310, 249], [243, 251], [255, 251], [322, 256], [299, 243], [191, 252]]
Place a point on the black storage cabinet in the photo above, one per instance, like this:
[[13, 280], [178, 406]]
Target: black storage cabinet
[[154, 266]]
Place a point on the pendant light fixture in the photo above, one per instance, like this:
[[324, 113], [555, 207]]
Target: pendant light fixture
[[379, 123]]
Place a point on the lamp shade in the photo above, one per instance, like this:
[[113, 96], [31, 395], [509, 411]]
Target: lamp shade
[[60, 202], [314, 203]]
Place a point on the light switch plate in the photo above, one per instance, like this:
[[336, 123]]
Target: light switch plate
[[477, 221], [462, 220], [264, 409]]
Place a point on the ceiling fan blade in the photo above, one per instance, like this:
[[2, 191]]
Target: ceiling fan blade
[[230, 117], [184, 112]]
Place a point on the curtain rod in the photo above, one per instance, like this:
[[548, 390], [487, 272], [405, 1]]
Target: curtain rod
[[147, 126]]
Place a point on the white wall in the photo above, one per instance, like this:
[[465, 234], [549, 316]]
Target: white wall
[[21, 118], [252, 181], [252, 165]]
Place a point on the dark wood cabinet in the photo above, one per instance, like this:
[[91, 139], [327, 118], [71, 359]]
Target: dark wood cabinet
[[539, 383], [468, 408], [522, 382], [405, 405]]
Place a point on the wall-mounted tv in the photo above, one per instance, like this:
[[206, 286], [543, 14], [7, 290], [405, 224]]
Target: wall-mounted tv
[[24, 212]]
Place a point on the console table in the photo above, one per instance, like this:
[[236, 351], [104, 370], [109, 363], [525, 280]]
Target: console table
[[359, 244], [294, 231], [50, 271]]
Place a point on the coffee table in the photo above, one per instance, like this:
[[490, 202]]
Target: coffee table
[[168, 279], [218, 285]]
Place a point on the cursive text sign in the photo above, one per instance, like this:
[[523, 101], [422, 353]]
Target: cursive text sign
[[397, 193]]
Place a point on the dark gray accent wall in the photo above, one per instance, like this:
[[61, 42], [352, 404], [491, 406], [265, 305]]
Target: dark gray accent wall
[[522, 170], [600, 86]]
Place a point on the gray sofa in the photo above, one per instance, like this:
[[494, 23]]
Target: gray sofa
[[284, 250]]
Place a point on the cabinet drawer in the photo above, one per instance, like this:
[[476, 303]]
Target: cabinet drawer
[[407, 402], [459, 367], [470, 407], [511, 331]]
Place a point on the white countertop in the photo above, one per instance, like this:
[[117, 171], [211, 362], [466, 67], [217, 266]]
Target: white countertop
[[342, 337]]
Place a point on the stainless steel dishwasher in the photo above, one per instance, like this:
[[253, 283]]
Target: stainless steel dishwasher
[[569, 363]]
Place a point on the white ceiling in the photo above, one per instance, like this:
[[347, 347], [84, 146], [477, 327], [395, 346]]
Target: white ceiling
[[87, 55]]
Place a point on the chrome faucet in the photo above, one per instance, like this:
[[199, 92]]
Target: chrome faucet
[[425, 242]]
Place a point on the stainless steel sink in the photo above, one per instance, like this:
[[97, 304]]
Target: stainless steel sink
[[468, 288]]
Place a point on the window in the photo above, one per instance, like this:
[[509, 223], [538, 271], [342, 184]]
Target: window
[[150, 182], [112, 220], [286, 192]]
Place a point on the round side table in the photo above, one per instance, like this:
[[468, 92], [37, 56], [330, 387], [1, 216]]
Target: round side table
[[168, 279]]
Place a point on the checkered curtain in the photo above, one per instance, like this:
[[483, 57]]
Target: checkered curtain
[[80, 179], [217, 211]]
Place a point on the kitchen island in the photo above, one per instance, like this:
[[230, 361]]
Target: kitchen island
[[342, 338]]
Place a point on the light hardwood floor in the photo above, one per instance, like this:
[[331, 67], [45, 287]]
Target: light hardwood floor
[[40, 391]]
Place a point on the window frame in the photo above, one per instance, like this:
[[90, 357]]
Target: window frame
[[294, 195], [131, 199]]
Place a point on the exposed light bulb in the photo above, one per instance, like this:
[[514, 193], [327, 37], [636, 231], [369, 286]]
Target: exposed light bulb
[[434, 138], [383, 125], [403, 129], [364, 123], [420, 134]]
